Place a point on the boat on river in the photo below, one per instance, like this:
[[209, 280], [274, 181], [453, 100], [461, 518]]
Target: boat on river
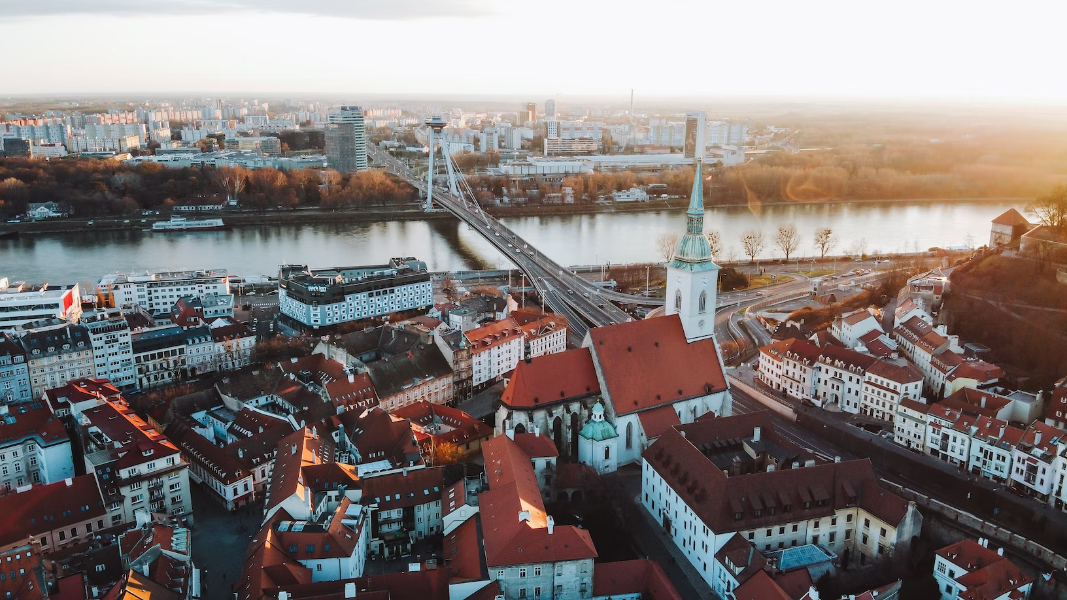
[[177, 224]]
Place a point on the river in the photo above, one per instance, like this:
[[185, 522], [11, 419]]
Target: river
[[447, 245]]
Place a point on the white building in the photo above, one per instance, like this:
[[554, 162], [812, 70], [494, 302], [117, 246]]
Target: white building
[[157, 292], [137, 467], [21, 303], [55, 354], [34, 448], [886, 384], [707, 481], [839, 378], [631, 195], [969, 569], [1032, 471], [992, 447], [109, 333], [909, 426], [495, 350], [850, 327], [315, 298]]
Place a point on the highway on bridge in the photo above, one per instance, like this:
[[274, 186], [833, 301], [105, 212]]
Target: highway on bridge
[[581, 302]]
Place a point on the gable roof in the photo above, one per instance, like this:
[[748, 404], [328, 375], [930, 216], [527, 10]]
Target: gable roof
[[648, 363], [551, 378], [640, 576], [514, 522], [44, 508]]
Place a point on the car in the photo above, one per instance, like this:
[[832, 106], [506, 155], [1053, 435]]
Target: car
[[760, 294], [250, 294], [517, 251], [571, 292]]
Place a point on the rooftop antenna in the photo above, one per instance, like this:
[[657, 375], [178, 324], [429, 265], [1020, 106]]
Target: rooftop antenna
[[632, 136]]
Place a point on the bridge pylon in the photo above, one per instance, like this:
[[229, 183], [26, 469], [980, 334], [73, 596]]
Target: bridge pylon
[[436, 125]]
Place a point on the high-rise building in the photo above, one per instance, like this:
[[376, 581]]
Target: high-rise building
[[346, 140], [528, 114], [550, 110], [695, 134]]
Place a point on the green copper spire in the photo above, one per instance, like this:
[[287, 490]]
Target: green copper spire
[[693, 252]]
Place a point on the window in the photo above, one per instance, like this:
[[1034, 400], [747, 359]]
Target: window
[[537, 573], [629, 436], [607, 452], [702, 302], [500, 575], [678, 300], [883, 532], [522, 572], [522, 592], [537, 592]]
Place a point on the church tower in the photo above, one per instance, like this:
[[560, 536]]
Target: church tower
[[692, 277]]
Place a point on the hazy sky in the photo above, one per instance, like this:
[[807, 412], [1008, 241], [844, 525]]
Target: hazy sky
[[893, 50]]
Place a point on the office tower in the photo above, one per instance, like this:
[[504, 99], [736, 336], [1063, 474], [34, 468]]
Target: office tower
[[529, 114], [695, 134], [550, 110], [346, 140]]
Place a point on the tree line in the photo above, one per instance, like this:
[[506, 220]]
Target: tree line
[[786, 238], [91, 187]]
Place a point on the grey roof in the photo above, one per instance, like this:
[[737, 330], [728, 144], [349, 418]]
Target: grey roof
[[397, 373], [50, 340]]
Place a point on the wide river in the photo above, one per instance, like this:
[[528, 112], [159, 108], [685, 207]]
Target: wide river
[[447, 245]]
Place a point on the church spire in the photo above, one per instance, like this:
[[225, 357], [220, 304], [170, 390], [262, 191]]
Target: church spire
[[693, 248]]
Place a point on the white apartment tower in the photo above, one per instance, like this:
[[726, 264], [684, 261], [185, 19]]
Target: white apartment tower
[[346, 140]]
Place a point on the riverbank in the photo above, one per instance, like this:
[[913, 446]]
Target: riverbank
[[414, 212]]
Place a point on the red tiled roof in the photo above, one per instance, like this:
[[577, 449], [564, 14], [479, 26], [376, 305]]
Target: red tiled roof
[[139, 441], [1058, 402], [229, 332], [438, 424], [976, 402], [577, 476], [80, 390], [875, 342], [641, 576], [411, 487], [551, 378], [493, 334], [906, 373], [915, 405], [44, 508], [463, 552], [296, 450], [760, 587], [536, 445], [857, 317], [654, 422], [649, 363], [717, 499], [514, 522], [353, 391], [1011, 217], [418, 585], [22, 571], [778, 349], [979, 370], [1040, 435], [31, 420]]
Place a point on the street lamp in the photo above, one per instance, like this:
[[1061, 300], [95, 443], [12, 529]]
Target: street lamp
[[648, 269]]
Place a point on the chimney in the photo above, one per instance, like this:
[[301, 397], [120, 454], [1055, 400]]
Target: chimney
[[68, 481], [1001, 431], [537, 431], [1000, 551], [755, 434], [283, 595], [837, 459], [351, 378], [511, 434], [813, 593], [350, 590], [551, 524], [1037, 437], [292, 452], [240, 453], [524, 515], [682, 431], [405, 472]]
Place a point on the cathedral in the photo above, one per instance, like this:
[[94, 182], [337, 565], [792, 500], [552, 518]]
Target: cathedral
[[604, 403]]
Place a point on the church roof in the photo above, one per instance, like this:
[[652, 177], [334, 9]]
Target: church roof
[[551, 378], [598, 431], [1011, 217], [648, 363]]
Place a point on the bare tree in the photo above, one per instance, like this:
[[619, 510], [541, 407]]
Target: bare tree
[[857, 248], [715, 241], [231, 180], [1050, 210], [787, 238], [753, 241], [825, 241], [666, 244]]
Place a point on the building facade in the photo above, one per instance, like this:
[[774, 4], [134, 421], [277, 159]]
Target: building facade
[[346, 140], [34, 446], [21, 303], [56, 354], [109, 333], [157, 292], [314, 299], [14, 372]]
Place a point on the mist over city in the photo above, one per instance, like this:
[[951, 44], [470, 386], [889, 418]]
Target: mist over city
[[477, 300]]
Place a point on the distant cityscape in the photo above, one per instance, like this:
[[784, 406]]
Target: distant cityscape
[[692, 428]]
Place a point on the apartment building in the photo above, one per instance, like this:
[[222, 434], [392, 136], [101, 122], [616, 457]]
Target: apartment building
[[56, 354], [1032, 471], [157, 292], [109, 333], [543, 333], [22, 303], [970, 569], [849, 328], [58, 514], [138, 468], [34, 446], [707, 481], [886, 384], [14, 372]]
